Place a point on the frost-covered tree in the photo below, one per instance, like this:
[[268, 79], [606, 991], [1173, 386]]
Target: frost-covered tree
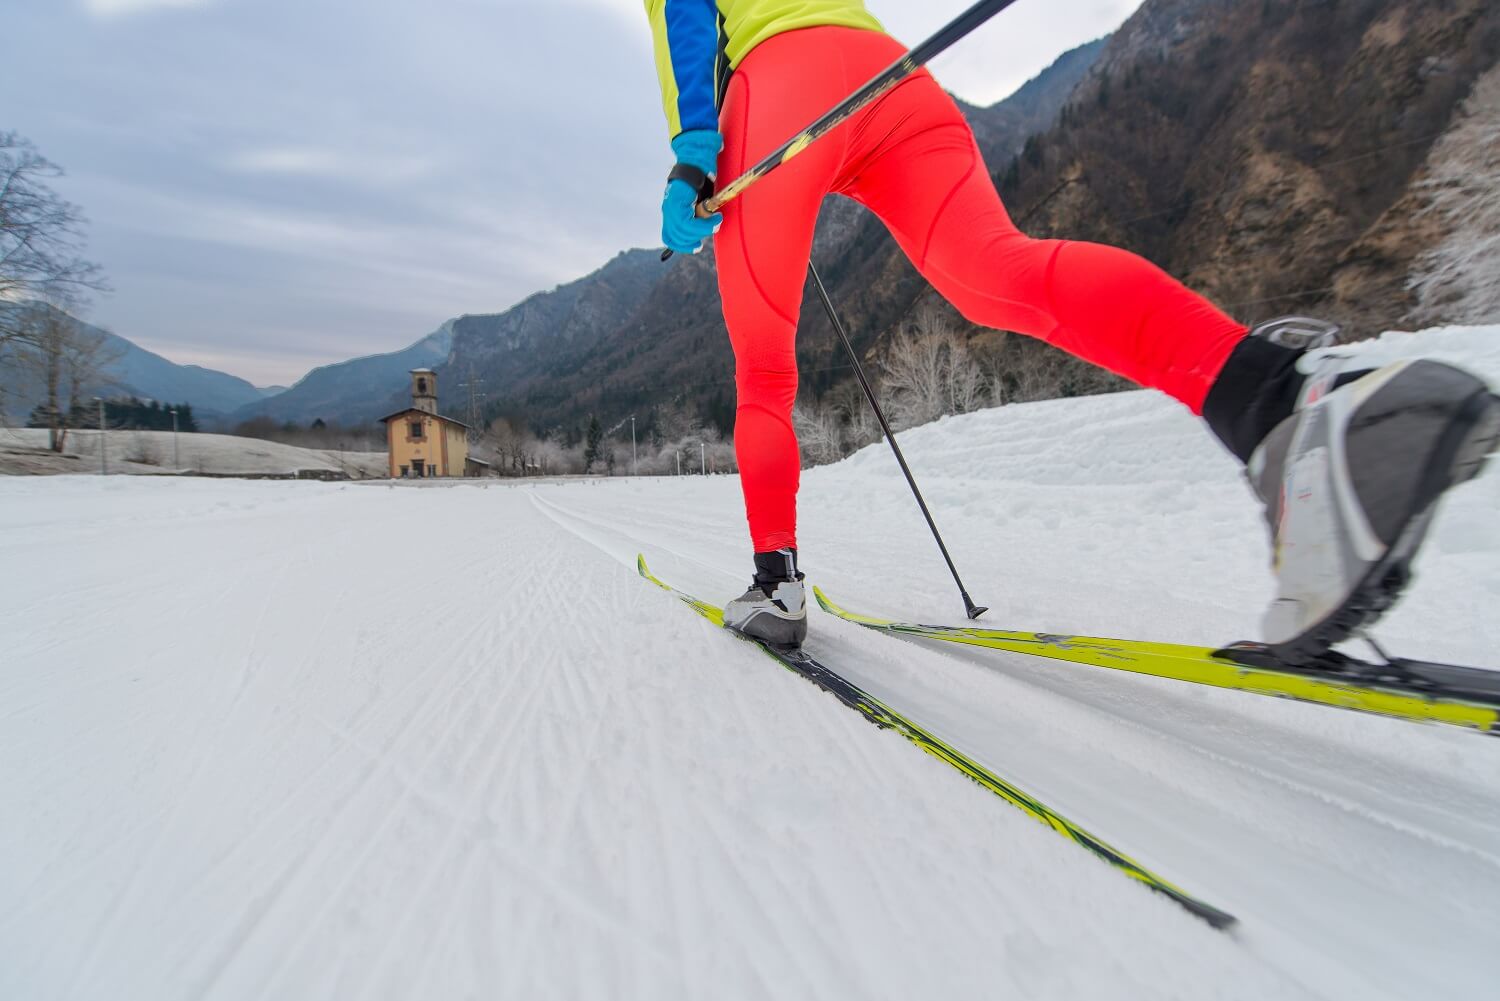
[[929, 372], [820, 432], [1458, 280]]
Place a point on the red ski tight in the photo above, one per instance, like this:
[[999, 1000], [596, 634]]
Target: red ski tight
[[912, 160]]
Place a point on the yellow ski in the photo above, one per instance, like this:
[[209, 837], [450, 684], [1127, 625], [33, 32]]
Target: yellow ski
[[1410, 690]]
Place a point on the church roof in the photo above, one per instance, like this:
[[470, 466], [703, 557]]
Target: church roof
[[413, 410]]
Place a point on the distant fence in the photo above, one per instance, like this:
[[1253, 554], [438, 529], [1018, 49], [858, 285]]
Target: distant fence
[[327, 475]]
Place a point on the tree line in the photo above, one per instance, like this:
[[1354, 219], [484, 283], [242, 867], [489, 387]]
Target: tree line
[[929, 370], [122, 414]]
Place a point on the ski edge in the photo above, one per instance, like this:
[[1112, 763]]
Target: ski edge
[[1199, 666], [883, 716]]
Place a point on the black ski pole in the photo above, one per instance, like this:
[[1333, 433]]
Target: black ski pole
[[871, 92], [972, 610]]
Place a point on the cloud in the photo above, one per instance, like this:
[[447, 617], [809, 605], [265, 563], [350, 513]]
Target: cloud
[[291, 161], [118, 8]]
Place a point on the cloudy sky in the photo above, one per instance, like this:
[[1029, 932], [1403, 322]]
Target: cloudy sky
[[277, 184]]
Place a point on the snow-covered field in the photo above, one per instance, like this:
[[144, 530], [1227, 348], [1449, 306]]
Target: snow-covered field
[[300, 740], [24, 451]]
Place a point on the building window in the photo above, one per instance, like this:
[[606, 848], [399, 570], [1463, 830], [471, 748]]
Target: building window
[[405, 471], [416, 429], [422, 386]]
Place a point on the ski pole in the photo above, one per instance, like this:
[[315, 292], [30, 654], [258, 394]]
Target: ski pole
[[972, 610], [879, 85]]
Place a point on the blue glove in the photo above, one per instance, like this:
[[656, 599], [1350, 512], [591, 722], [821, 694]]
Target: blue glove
[[681, 229]]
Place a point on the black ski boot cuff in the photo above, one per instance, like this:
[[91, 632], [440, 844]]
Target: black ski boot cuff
[[776, 567], [1256, 390]]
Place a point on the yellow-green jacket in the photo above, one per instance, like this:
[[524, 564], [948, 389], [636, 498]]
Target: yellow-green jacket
[[698, 42]]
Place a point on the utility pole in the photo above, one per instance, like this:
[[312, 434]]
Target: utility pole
[[632, 445], [103, 462], [474, 415], [679, 462], [176, 456], [702, 459]]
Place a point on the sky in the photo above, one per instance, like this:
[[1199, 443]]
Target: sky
[[273, 185]]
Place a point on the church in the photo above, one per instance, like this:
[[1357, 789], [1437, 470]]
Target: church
[[421, 442]]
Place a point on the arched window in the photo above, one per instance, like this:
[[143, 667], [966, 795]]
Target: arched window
[[422, 385]]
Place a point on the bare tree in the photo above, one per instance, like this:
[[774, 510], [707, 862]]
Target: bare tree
[[820, 431], [860, 426], [929, 372], [41, 234], [67, 359]]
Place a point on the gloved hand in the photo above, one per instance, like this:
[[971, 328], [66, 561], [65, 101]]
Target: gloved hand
[[681, 229]]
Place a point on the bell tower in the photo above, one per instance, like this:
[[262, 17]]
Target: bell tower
[[424, 390]]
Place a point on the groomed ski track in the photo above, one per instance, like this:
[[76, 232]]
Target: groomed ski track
[[305, 740]]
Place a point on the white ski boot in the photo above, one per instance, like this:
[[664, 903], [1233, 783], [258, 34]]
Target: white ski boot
[[1350, 481], [774, 609]]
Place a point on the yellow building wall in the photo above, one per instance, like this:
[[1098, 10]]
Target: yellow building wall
[[442, 447], [458, 451]]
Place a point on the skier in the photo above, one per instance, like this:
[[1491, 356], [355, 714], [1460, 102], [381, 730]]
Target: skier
[[1348, 461]]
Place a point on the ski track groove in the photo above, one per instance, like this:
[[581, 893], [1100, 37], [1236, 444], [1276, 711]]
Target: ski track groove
[[1168, 728], [127, 892], [445, 697], [463, 817], [467, 813], [577, 787], [1310, 796], [333, 826], [789, 945]]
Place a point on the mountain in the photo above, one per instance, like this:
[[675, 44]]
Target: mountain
[[522, 346], [355, 391], [140, 373], [150, 376]]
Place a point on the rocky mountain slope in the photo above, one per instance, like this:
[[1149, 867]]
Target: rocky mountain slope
[[1262, 149]]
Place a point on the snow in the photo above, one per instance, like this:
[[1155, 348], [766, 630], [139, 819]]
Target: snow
[[24, 450], [276, 739]]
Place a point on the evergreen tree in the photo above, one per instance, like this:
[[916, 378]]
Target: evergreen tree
[[591, 448]]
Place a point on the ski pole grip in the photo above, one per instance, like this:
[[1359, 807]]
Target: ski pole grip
[[703, 210]]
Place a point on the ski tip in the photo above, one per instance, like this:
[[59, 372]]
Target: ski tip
[[823, 601], [640, 565], [1216, 918]]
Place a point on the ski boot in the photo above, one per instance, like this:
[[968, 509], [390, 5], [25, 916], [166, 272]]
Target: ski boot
[[1350, 479], [774, 609]]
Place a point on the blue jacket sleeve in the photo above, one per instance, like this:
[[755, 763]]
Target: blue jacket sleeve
[[685, 35]]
